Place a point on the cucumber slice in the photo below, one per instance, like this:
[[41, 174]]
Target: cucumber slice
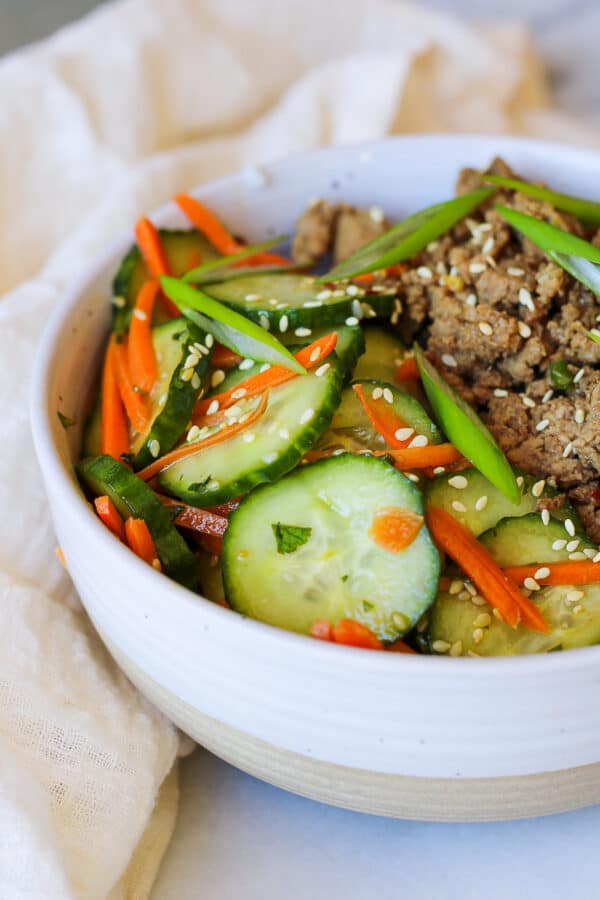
[[384, 352], [351, 428], [133, 498], [406, 407], [526, 540], [338, 571], [469, 506], [91, 443], [174, 394], [183, 250], [297, 414], [288, 301]]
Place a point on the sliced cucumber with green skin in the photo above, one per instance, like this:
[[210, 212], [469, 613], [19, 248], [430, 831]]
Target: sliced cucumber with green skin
[[384, 352], [91, 442], [288, 301], [338, 571], [180, 248], [478, 505], [296, 415], [133, 498], [526, 540], [406, 407], [172, 399], [351, 429]]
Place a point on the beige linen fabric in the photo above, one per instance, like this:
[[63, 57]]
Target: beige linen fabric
[[97, 125]]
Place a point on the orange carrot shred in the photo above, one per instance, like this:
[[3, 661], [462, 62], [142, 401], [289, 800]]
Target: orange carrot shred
[[132, 399], [567, 572], [354, 634], [407, 370], [140, 349], [151, 248], [400, 647], [382, 417], [424, 457], [224, 358], [140, 541], [322, 630], [394, 529], [205, 221], [114, 438], [107, 511]]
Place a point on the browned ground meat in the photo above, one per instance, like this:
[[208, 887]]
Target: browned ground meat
[[338, 228], [493, 313]]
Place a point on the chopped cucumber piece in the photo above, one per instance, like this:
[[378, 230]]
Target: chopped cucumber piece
[[91, 443], [351, 429], [405, 406], [384, 352], [526, 540], [337, 570]]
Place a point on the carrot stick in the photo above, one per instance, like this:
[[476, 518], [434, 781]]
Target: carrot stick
[[309, 357], [221, 511], [224, 358], [114, 439], [394, 529], [142, 363], [132, 400], [151, 248], [322, 630], [400, 647], [107, 511], [354, 634], [383, 418], [567, 572], [140, 541], [195, 518], [407, 370], [423, 457], [499, 590], [197, 446]]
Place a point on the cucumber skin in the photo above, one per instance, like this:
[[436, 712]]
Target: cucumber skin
[[133, 498], [172, 420], [406, 408], [268, 472], [525, 540]]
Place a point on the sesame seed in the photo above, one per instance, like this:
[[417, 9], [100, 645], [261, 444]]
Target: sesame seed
[[481, 503], [590, 552], [411, 476], [520, 480], [246, 364], [579, 416], [119, 302], [545, 515], [483, 620], [351, 320], [456, 586], [387, 395], [306, 416], [217, 377], [377, 393], [324, 294], [140, 314], [187, 375], [376, 214], [154, 448], [578, 375], [193, 434], [527, 401], [448, 360], [263, 322], [191, 362], [425, 273], [559, 545], [239, 393], [456, 649], [596, 557], [525, 299], [248, 436], [524, 329], [272, 301], [284, 434], [578, 555], [543, 572], [283, 324], [479, 601], [357, 309], [213, 407], [515, 271], [265, 367], [478, 635], [471, 300], [573, 596], [486, 328], [315, 354], [538, 488], [488, 246], [251, 297], [352, 290], [213, 485], [548, 396], [568, 450], [569, 527], [303, 332], [269, 458], [439, 470], [440, 646], [572, 545], [196, 381], [419, 440], [458, 481], [542, 424], [531, 584], [476, 268], [403, 434], [322, 369], [500, 392], [471, 589], [458, 506]]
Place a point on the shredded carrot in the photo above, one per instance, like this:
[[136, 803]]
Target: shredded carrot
[[400, 647], [224, 358], [220, 511], [194, 260], [424, 457], [140, 350], [114, 437], [212, 543], [140, 541], [197, 446], [151, 248], [407, 370], [567, 572], [223, 602], [383, 418], [499, 590], [309, 357], [322, 630], [132, 399], [365, 278], [107, 511], [61, 557], [354, 634], [394, 529]]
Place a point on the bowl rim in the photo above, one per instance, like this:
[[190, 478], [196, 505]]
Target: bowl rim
[[170, 591]]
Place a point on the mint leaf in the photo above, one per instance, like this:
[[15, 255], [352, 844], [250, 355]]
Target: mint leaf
[[65, 421], [560, 375], [290, 537]]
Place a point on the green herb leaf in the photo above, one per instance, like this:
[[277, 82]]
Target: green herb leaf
[[290, 537], [229, 327], [222, 269], [65, 421], [587, 211], [408, 237], [560, 375], [466, 431], [198, 485]]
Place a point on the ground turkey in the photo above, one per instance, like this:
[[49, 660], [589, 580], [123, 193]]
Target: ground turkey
[[334, 228]]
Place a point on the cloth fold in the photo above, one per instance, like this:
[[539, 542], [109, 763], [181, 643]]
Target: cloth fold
[[98, 125]]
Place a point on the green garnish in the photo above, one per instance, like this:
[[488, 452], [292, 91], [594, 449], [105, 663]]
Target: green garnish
[[594, 334], [229, 327], [406, 238], [586, 211], [466, 431], [290, 537], [65, 421], [560, 375], [222, 269]]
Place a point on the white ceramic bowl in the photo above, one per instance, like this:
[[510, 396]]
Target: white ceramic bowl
[[419, 737]]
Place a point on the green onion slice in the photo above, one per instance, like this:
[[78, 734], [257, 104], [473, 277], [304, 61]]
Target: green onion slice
[[587, 211], [223, 268]]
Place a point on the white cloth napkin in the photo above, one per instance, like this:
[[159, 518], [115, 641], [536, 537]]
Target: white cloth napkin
[[97, 126]]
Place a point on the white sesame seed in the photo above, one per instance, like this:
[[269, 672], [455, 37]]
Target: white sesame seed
[[596, 557], [488, 246], [538, 488], [548, 396], [140, 314], [478, 601], [315, 354], [265, 367], [476, 268], [578, 375], [458, 481], [458, 506], [559, 545], [239, 393], [193, 433], [572, 545], [471, 589], [524, 329], [284, 434], [351, 320], [283, 324], [425, 273], [590, 552], [387, 395], [303, 332], [542, 424], [525, 299], [306, 416], [578, 555], [411, 476], [448, 360], [273, 302], [263, 322], [196, 381], [456, 649], [322, 369], [357, 309], [579, 416], [545, 516], [324, 294], [478, 635], [515, 271], [486, 328], [269, 458], [248, 436], [192, 361], [119, 302], [439, 470], [531, 584], [481, 503], [213, 407], [217, 377], [403, 434], [251, 297], [527, 401], [246, 364], [377, 393], [213, 485], [419, 440], [568, 450], [471, 300], [154, 448], [352, 290], [187, 375], [542, 572], [569, 527], [456, 586], [376, 214], [573, 596], [520, 481], [500, 392], [483, 620], [440, 646], [209, 340]]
